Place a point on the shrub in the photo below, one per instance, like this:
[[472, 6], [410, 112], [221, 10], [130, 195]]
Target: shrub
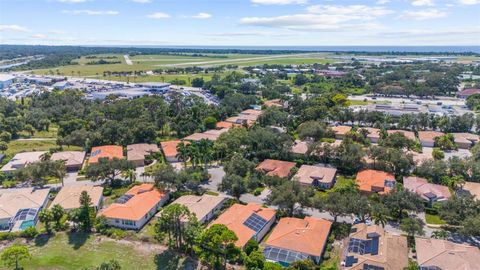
[[7, 236], [29, 233], [116, 233], [107, 191]]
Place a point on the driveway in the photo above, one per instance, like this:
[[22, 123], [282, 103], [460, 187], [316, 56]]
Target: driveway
[[216, 175]]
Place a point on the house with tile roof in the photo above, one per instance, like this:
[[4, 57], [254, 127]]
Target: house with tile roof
[[272, 167], [427, 191], [471, 188], [204, 207], [225, 124], [371, 247], [427, 138], [135, 208], [341, 131], [211, 135], [442, 254], [73, 159], [169, 149], [251, 221], [408, 134], [295, 239], [316, 176], [21, 160], [373, 133], [300, 147], [374, 181], [465, 93], [19, 207], [137, 152], [465, 140], [69, 197], [105, 151]]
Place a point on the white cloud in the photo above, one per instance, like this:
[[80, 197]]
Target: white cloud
[[383, 2], [420, 15], [142, 1], [72, 1], [13, 28], [278, 2], [253, 34], [91, 12], [158, 15], [57, 32], [39, 36], [202, 16], [433, 32], [469, 2], [421, 3], [324, 18]]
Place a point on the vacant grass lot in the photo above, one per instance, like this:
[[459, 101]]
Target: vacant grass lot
[[433, 219], [80, 250], [152, 62], [17, 146]]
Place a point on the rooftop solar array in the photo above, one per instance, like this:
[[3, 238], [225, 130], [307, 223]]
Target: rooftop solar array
[[389, 183], [283, 255], [255, 222], [95, 153], [25, 214], [363, 246], [372, 267], [125, 198]]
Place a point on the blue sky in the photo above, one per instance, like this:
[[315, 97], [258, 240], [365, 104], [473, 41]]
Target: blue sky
[[240, 22]]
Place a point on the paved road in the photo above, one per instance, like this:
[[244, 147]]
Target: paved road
[[36, 139], [216, 175], [127, 59]]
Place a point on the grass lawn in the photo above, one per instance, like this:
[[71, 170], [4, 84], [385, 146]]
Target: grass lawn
[[433, 219], [334, 261], [15, 147], [79, 250], [363, 102], [51, 133]]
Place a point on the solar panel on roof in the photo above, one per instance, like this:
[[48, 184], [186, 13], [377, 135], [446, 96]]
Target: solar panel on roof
[[125, 198], [255, 222], [372, 267], [283, 255], [95, 153]]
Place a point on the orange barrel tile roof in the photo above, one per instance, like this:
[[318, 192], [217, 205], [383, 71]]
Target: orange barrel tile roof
[[106, 151], [237, 214], [170, 147], [308, 236], [274, 167], [408, 134], [373, 181], [144, 198]]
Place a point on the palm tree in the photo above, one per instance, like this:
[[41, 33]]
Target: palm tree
[[130, 174], [60, 170], [379, 218], [183, 153], [205, 151], [194, 154]]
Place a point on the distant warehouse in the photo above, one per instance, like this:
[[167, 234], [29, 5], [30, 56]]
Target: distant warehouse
[[155, 87], [6, 80]]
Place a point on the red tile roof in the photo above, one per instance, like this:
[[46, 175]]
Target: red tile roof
[[276, 167], [106, 151], [145, 197], [237, 214], [374, 181], [308, 236]]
